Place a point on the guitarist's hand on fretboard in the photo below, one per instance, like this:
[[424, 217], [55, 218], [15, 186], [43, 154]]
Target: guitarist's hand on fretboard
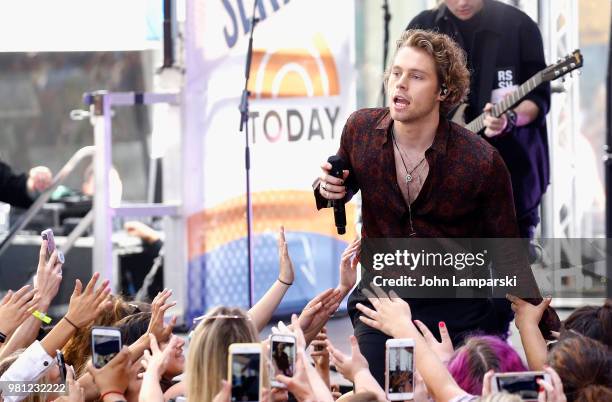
[[550, 73], [494, 126]]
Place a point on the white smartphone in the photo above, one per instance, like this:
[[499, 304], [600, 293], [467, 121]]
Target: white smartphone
[[47, 235], [399, 369], [51, 246], [523, 384], [244, 371], [282, 357], [105, 344]]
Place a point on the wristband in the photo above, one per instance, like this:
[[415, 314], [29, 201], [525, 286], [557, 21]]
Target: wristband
[[71, 323], [511, 118], [42, 316], [283, 282]]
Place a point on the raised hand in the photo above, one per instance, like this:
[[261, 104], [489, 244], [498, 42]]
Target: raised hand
[[298, 385], [159, 306], [87, 304], [525, 313], [391, 314], [348, 366], [348, 266], [156, 361], [287, 272], [114, 376], [76, 393], [552, 392], [318, 311], [486, 383], [320, 354], [444, 349], [48, 276], [16, 307]]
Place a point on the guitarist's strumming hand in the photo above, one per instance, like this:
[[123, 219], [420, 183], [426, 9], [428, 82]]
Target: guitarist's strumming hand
[[494, 126]]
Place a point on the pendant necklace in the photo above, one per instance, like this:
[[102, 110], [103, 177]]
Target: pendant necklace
[[408, 178]]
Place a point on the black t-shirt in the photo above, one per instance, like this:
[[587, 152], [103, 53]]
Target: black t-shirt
[[467, 31]]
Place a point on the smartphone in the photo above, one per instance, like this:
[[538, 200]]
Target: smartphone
[[399, 369], [61, 364], [244, 371], [48, 236], [105, 344], [282, 357], [523, 384]]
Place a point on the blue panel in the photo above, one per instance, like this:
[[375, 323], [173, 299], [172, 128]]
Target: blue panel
[[220, 277]]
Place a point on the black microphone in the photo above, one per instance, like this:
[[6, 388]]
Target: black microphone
[[337, 164]]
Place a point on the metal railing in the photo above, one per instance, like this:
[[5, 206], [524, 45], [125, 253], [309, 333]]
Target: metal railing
[[40, 201]]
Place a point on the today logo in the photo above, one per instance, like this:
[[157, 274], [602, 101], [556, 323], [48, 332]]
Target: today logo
[[294, 72]]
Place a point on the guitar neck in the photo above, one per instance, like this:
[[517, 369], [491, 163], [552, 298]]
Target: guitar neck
[[498, 109]]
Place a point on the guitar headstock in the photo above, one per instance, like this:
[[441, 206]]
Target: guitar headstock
[[569, 63]]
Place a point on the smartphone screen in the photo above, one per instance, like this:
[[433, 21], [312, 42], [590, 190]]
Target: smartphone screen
[[48, 236], [525, 385], [104, 347], [283, 360], [245, 376], [401, 372]]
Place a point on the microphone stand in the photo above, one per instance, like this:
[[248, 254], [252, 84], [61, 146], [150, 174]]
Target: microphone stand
[[387, 19], [244, 118]]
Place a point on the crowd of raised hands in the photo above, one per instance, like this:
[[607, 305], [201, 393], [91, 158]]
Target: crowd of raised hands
[[151, 367]]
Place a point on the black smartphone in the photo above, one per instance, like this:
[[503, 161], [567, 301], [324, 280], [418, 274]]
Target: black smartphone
[[61, 363]]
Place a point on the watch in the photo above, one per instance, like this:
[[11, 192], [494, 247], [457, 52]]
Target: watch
[[511, 118]]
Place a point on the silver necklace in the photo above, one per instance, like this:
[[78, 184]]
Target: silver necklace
[[408, 178]]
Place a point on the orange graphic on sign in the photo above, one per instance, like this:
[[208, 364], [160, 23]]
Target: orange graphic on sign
[[298, 72]]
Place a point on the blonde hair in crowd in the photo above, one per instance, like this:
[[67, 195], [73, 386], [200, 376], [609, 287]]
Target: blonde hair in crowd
[[208, 350]]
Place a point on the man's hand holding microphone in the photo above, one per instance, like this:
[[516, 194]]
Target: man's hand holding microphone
[[331, 187]]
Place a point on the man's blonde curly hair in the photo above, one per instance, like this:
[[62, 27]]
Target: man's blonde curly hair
[[450, 62]]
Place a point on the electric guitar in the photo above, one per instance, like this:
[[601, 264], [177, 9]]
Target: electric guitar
[[566, 65]]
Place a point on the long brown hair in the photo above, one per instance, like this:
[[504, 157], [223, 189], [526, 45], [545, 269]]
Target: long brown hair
[[208, 350], [78, 349], [585, 368], [592, 321]]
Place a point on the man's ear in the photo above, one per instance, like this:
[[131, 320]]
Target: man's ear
[[443, 91]]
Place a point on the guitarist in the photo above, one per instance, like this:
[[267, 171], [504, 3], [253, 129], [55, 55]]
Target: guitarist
[[504, 49]]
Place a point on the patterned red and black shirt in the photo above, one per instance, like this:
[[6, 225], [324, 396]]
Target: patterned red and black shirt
[[467, 193]]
